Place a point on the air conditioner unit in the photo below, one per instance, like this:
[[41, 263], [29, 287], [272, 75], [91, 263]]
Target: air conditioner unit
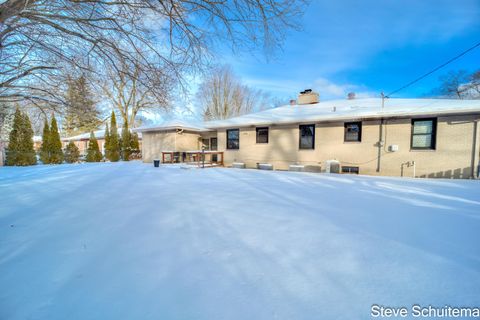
[[238, 165], [264, 166], [332, 166]]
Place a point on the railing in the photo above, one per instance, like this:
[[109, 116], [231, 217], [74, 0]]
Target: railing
[[202, 158]]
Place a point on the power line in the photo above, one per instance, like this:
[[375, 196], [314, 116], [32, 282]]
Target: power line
[[434, 70]]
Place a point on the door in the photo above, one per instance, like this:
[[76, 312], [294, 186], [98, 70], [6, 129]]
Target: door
[[213, 146], [206, 144]]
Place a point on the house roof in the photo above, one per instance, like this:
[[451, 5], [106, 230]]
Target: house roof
[[333, 110], [99, 134], [340, 110], [175, 124]]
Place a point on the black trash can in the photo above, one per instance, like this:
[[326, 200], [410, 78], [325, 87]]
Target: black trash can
[[156, 163]]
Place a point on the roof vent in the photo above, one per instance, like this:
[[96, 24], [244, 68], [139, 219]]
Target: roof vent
[[351, 96], [307, 97]]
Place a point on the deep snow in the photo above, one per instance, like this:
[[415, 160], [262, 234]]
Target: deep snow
[[130, 241]]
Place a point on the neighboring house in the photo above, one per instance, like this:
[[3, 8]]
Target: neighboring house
[[406, 137], [37, 143], [81, 140]]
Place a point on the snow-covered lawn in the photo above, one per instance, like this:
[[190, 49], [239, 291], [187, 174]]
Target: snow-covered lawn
[[130, 241]]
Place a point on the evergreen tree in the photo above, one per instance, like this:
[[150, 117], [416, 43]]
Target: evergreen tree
[[126, 143], [72, 154], [20, 147], [107, 142], [28, 156], [113, 145], [93, 152], [135, 146], [81, 114], [45, 148], [55, 144], [14, 139]]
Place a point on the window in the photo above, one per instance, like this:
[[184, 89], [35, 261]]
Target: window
[[424, 133], [262, 135], [233, 139], [206, 144], [307, 136], [352, 170], [353, 132]]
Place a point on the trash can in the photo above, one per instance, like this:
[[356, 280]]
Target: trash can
[[156, 163]]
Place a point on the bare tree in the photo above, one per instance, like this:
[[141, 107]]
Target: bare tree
[[6, 121], [451, 83], [35, 35], [222, 96], [130, 89], [460, 85], [475, 84]]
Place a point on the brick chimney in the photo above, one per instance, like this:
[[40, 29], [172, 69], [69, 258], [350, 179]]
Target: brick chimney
[[293, 102], [308, 97], [351, 96]]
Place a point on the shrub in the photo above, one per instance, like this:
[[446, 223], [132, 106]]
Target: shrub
[[72, 154]]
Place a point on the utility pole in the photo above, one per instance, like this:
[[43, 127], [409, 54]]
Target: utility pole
[[380, 136]]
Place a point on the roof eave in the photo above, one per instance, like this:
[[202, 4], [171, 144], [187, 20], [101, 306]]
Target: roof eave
[[350, 118], [159, 129]]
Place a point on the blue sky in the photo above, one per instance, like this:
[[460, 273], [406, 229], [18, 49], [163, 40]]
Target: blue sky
[[366, 47]]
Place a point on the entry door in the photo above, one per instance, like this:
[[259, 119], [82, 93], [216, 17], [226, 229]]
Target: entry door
[[213, 144]]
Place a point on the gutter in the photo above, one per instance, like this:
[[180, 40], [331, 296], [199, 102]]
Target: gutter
[[405, 115], [157, 129]]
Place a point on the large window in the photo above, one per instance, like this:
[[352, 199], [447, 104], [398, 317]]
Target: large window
[[262, 135], [424, 133], [353, 132], [307, 136], [233, 139]]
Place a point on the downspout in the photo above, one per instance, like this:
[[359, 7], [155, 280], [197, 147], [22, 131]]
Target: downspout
[[474, 152], [380, 137], [478, 164]]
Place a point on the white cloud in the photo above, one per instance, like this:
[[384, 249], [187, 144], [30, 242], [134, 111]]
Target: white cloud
[[328, 88], [331, 90]]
